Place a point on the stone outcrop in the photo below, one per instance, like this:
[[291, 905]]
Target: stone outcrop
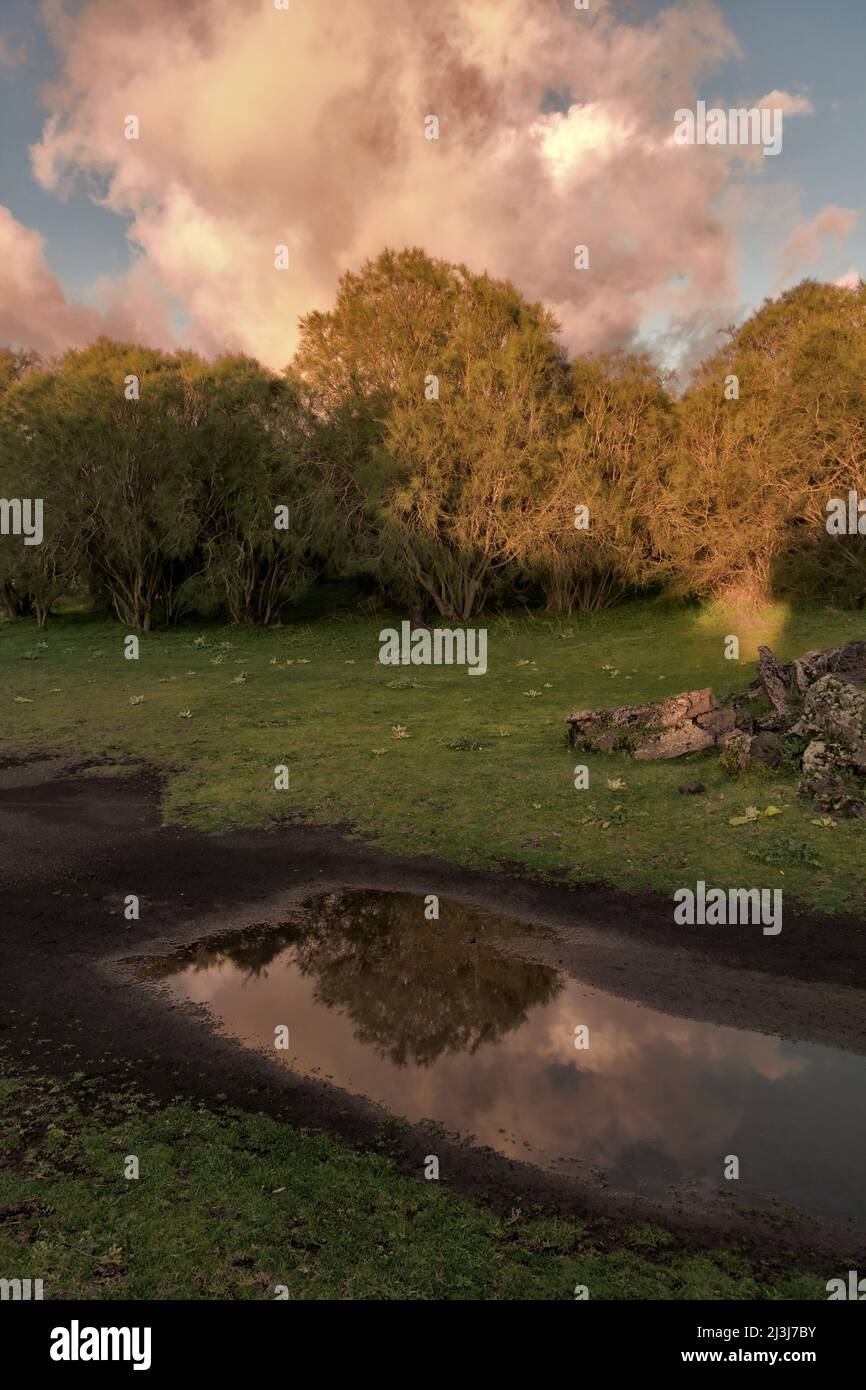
[[684, 723], [816, 703]]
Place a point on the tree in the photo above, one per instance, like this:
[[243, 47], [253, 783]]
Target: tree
[[440, 391], [107, 428], [261, 506], [755, 470], [596, 536], [33, 577]]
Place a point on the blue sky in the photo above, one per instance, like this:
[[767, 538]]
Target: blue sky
[[82, 240]]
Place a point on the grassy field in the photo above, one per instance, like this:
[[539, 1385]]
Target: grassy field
[[474, 769], [231, 1206]]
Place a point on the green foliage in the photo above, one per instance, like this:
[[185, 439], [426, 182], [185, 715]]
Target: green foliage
[[431, 434], [611, 458], [752, 476], [791, 750], [160, 474], [33, 577], [255, 458], [445, 476]]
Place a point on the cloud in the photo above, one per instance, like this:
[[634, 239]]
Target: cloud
[[849, 281], [33, 310], [306, 127], [35, 313], [786, 103], [807, 241]]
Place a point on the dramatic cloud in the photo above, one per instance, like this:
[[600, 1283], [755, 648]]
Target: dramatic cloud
[[807, 242], [306, 127], [35, 313]]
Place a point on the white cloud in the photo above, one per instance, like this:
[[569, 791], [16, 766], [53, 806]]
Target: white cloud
[[788, 104]]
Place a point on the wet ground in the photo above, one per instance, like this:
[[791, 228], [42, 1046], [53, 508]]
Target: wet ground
[[699, 1047], [435, 1019]]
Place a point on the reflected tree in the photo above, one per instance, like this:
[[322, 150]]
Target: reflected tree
[[416, 989]]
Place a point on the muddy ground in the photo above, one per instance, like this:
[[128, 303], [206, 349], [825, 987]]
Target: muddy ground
[[73, 845]]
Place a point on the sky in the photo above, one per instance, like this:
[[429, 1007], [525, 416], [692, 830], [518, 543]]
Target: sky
[[306, 127]]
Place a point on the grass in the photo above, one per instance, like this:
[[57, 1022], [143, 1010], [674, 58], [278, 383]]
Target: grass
[[231, 1206], [473, 769]]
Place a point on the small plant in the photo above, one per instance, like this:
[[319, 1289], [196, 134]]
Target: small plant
[[791, 750], [783, 852], [729, 762]]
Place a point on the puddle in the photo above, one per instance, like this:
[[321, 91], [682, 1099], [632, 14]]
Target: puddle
[[438, 1022]]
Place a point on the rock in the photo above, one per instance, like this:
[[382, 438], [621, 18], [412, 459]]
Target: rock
[[835, 710], [607, 743], [823, 767], [673, 743], [821, 696], [691, 788], [815, 758], [801, 678], [848, 660], [774, 680], [738, 750], [719, 721], [630, 726], [765, 747]]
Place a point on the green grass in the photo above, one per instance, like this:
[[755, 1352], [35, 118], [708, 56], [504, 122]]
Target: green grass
[[483, 774], [229, 1206]]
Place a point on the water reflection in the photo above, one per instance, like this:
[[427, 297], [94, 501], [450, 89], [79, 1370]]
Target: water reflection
[[435, 1021]]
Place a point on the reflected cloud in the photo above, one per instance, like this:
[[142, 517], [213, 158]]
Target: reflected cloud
[[439, 1020]]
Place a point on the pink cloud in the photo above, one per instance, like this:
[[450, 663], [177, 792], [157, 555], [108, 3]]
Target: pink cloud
[[849, 281], [35, 313], [306, 127], [33, 310], [788, 103], [807, 241]]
